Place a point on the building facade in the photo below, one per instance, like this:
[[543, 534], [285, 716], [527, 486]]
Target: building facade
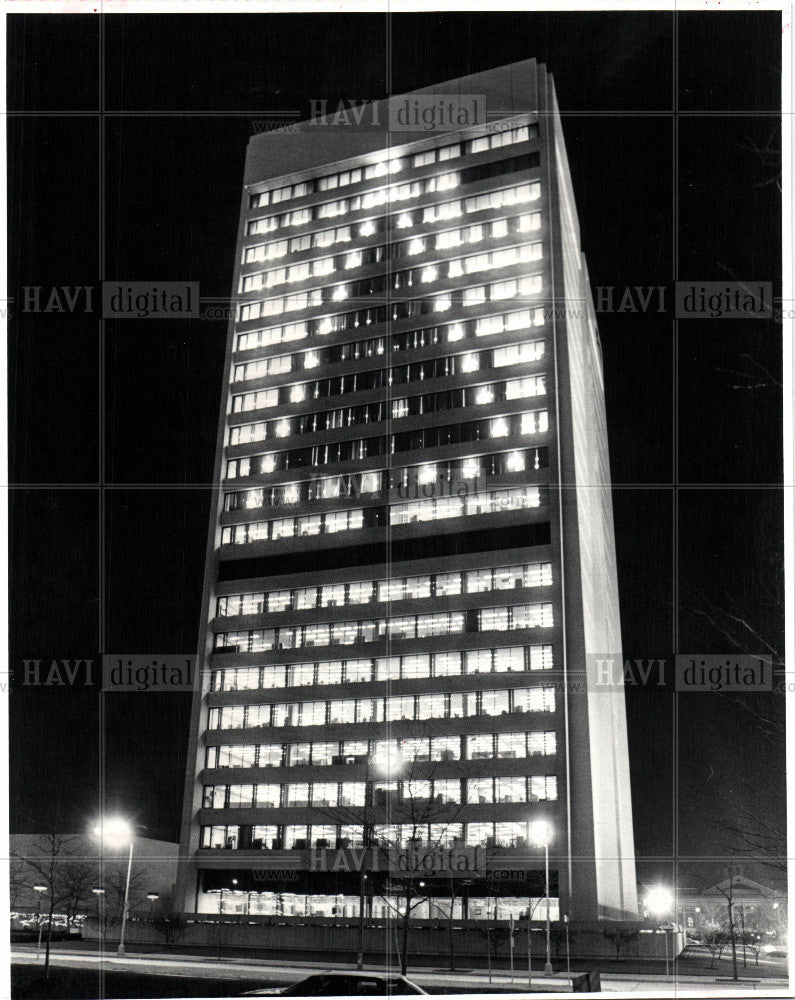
[[411, 562]]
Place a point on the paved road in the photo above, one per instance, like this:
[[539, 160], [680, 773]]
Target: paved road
[[262, 970]]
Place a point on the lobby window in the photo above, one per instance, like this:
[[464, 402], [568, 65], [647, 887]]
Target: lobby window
[[295, 837], [264, 837]]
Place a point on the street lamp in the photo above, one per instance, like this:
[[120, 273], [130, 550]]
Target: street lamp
[[152, 896], [541, 835], [659, 902], [38, 889], [385, 762], [116, 833]]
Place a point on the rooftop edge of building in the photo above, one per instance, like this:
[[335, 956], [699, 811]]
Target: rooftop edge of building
[[506, 91]]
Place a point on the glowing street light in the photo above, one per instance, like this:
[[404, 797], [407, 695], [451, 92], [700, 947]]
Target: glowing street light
[[117, 833], [659, 902], [541, 835]]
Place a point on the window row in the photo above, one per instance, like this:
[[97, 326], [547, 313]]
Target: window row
[[476, 581], [321, 239], [403, 406], [388, 165], [513, 425], [378, 346], [319, 267], [390, 193], [482, 746], [395, 708], [412, 512], [443, 791], [507, 659], [381, 284], [347, 633], [377, 378], [516, 194], [382, 906], [514, 834], [374, 198], [454, 477]]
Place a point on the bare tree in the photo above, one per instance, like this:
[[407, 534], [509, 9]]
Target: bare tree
[[48, 860], [727, 890], [620, 936], [407, 807]]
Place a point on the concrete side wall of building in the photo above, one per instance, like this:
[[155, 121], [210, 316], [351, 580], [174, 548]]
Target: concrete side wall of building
[[599, 771]]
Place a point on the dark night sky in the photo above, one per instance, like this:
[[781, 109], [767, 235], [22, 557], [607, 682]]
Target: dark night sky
[[142, 415]]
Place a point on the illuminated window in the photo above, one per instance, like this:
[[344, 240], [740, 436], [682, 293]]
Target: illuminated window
[[543, 787], [480, 790], [404, 220], [515, 461], [543, 744], [510, 789], [469, 363]]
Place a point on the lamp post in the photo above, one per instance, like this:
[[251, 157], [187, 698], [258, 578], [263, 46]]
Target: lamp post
[[152, 896], [117, 833], [659, 902], [38, 889], [386, 762], [541, 835], [99, 893]]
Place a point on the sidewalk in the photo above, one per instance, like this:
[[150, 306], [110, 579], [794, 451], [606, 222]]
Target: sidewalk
[[290, 970]]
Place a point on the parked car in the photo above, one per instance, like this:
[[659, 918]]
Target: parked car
[[346, 984]]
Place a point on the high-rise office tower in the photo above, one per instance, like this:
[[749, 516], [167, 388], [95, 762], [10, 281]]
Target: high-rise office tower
[[411, 561]]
